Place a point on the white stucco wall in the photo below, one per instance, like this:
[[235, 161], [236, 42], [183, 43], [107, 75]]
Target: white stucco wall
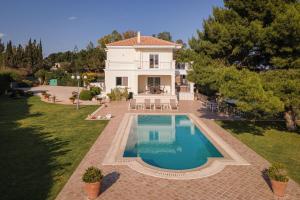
[[131, 62]]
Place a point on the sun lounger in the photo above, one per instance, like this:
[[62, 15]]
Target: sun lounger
[[157, 104], [173, 104], [147, 104], [132, 104]]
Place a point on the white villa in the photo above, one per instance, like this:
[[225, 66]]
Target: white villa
[[145, 66]]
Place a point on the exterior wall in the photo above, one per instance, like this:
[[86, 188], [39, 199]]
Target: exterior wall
[[131, 58], [165, 58], [131, 62], [121, 58], [110, 80]]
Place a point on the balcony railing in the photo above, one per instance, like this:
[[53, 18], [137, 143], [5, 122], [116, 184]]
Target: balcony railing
[[138, 65], [160, 65], [182, 66]]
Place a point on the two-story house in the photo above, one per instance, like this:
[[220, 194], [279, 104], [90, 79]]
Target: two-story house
[[143, 64]]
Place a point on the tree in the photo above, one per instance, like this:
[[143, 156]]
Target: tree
[[41, 75], [180, 41], [2, 49], [252, 33], [113, 37], [283, 40], [129, 34], [286, 86], [164, 36], [8, 62], [90, 46], [245, 87]]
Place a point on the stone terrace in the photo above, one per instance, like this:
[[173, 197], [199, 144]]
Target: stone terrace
[[121, 182]]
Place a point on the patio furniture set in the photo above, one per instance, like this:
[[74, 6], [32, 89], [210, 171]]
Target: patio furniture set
[[156, 105]]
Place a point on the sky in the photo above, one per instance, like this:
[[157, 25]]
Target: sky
[[64, 24]]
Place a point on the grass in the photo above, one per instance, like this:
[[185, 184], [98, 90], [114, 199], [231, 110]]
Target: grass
[[41, 145], [270, 140]]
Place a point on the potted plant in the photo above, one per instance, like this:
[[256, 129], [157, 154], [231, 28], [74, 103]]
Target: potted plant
[[72, 99], [92, 178], [279, 179]]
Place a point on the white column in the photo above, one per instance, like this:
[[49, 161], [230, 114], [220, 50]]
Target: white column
[[135, 83], [173, 84], [192, 87]]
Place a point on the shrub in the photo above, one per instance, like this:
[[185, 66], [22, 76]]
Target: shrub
[[5, 79], [17, 93], [85, 95], [277, 172], [92, 175], [95, 90], [117, 94], [25, 83], [72, 98]]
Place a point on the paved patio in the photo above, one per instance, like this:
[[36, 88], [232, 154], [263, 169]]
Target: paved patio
[[121, 182], [62, 94]]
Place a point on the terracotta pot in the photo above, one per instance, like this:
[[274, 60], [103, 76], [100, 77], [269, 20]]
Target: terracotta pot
[[279, 187], [92, 190]]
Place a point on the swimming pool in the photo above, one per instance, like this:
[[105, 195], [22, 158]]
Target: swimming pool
[[169, 142]]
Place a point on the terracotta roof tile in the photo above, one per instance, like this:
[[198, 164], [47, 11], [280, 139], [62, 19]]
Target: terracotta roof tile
[[145, 40]]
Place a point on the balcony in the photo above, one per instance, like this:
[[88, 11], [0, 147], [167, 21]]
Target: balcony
[[139, 65]]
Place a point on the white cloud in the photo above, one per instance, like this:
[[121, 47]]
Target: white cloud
[[72, 18], [2, 35]]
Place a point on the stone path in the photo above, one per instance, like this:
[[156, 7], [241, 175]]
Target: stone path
[[121, 182]]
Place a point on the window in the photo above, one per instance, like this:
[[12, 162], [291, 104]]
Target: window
[[121, 81], [153, 60]]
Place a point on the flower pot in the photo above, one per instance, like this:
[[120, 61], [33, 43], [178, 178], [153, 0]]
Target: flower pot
[[278, 187], [92, 190]]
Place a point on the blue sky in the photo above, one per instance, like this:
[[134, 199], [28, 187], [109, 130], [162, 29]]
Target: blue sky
[[62, 24]]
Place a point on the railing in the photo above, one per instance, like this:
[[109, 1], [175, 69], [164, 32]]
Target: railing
[[137, 64], [182, 66], [160, 65]]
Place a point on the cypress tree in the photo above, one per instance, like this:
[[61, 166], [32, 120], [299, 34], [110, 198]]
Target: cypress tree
[[8, 62]]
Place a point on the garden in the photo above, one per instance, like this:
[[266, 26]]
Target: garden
[[41, 144]]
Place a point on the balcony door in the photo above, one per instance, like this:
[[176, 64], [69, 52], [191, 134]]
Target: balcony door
[[153, 60], [154, 85], [153, 81]]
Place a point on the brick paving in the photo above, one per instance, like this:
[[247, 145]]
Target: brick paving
[[121, 182]]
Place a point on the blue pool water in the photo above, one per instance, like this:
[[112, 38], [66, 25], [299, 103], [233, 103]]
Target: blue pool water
[[169, 142]]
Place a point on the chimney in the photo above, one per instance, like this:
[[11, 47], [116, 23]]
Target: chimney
[[138, 37]]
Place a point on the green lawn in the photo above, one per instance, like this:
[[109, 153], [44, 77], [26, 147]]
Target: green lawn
[[41, 145], [270, 140]]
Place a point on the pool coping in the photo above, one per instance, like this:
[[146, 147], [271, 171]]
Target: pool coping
[[114, 155]]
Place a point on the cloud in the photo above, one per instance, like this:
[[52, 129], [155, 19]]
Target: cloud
[[2, 35], [72, 18]]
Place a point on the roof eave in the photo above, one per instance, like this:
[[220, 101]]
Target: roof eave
[[155, 46]]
